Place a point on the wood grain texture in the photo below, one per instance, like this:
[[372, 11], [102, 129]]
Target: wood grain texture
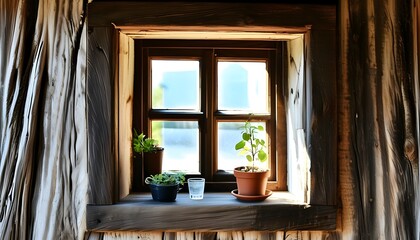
[[43, 180], [384, 145], [184, 14], [100, 102], [217, 212], [124, 112], [416, 78], [321, 122], [346, 178], [233, 235], [298, 158]]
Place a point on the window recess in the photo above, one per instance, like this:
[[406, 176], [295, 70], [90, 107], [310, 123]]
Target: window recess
[[194, 95], [308, 97]]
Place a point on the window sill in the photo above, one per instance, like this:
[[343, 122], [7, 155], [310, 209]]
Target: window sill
[[216, 212]]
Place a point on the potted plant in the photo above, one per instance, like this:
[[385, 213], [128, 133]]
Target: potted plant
[[252, 180], [165, 186], [150, 152]]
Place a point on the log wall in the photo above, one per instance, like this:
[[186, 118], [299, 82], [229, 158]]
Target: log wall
[[378, 85], [43, 154], [44, 126]]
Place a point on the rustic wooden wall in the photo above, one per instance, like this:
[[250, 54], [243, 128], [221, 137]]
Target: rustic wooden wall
[[43, 140], [379, 122], [43, 124]]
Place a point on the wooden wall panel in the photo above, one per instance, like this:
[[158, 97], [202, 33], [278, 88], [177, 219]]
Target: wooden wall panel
[[43, 167], [346, 181], [248, 15], [321, 122], [297, 152], [384, 143], [236, 235], [124, 112], [100, 102]]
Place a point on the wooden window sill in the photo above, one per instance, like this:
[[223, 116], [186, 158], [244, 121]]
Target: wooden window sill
[[216, 212]]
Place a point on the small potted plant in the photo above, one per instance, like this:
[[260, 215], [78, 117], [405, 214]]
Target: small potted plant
[[150, 152], [165, 186], [252, 180]]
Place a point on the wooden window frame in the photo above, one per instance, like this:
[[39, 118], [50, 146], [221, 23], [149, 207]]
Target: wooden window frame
[[207, 51], [113, 26]]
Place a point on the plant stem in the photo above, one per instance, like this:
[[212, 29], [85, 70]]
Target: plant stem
[[252, 150]]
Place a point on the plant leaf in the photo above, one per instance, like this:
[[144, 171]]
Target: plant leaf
[[240, 145], [262, 155]]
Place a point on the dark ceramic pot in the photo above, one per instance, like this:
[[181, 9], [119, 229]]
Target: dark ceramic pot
[[164, 193]]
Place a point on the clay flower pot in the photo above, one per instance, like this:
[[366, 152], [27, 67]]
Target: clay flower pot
[[251, 183], [153, 162]]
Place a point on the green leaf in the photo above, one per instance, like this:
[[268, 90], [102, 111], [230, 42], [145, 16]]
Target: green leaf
[[240, 145], [262, 155], [251, 146]]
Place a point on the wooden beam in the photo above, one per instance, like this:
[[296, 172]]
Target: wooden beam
[[322, 116], [186, 14], [100, 98], [216, 212]]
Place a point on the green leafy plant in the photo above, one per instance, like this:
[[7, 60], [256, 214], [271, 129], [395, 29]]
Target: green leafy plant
[[166, 179], [143, 144], [252, 147]]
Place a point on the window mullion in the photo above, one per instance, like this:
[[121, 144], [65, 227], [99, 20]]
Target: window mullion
[[207, 80]]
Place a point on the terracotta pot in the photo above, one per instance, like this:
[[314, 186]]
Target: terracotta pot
[[251, 183], [152, 162]]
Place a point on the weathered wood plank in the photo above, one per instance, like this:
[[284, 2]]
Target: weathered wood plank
[[321, 121], [217, 212], [298, 163], [100, 96], [384, 147], [226, 14], [124, 112], [344, 135], [234, 235], [43, 178]]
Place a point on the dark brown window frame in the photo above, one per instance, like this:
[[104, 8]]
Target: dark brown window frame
[[208, 51], [112, 28]]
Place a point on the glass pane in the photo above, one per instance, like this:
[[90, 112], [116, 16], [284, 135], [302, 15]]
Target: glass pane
[[243, 86], [229, 133], [180, 140], [175, 84]]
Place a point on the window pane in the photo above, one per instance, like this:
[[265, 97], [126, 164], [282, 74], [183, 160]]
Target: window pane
[[243, 86], [175, 84], [229, 133], [180, 140]]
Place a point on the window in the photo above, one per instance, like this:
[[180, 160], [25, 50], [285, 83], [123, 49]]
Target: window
[[194, 95], [306, 35]]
